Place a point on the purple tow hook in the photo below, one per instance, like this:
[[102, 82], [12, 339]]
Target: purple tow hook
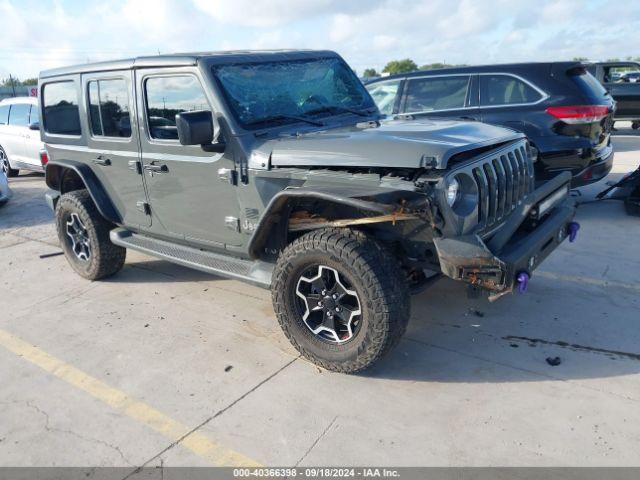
[[522, 279], [572, 229]]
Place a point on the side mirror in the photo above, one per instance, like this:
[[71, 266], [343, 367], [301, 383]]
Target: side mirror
[[196, 128], [34, 126]]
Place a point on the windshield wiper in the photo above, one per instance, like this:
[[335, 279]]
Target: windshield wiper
[[338, 108], [279, 117]]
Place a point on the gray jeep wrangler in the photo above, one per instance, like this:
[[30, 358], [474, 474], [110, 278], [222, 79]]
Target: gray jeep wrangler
[[275, 168]]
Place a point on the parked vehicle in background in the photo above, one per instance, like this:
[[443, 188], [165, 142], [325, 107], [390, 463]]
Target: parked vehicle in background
[[566, 114], [20, 144], [625, 91], [5, 191], [272, 168]]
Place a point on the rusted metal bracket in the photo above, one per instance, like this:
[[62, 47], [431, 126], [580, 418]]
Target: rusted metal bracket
[[297, 223]]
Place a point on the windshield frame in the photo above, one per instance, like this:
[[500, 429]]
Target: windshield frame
[[246, 126]]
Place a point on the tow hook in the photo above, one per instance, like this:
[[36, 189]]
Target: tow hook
[[572, 229], [522, 279]]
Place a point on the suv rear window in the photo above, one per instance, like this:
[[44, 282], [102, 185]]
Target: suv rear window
[[588, 84], [506, 90], [61, 114], [109, 108], [19, 114]]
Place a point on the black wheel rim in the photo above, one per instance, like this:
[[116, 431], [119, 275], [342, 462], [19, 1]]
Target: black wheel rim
[[328, 304], [79, 237]]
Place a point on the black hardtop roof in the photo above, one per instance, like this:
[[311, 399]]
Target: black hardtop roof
[[187, 59], [497, 68]]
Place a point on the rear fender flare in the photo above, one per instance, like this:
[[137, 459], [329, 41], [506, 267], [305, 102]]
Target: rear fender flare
[[55, 171]]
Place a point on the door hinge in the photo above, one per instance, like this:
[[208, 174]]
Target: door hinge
[[144, 207], [232, 223], [227, 175], [135, 166]]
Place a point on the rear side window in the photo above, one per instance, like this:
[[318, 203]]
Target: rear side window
[[61, 116], [384, 94], [169, 96], [436, 93], [506, 90], [19, 114], [4, 114], [109, 108]]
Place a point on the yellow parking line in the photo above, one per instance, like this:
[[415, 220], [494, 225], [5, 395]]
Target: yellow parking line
[[120, 401]]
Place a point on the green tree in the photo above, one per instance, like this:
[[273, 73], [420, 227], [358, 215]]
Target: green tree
[[400, 66], [369, 72], [580, 59]]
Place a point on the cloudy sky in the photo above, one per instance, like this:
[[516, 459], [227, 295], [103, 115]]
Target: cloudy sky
[[35, 35]]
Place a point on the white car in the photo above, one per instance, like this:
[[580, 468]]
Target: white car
[[20, 144]]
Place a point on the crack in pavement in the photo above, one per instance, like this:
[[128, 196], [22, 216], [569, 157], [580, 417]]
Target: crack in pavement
[[49, 428], [574, 346], [526, 370], [213, 417], [317, 440]]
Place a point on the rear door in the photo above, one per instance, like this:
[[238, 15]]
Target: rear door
[[15, 131], [439, 96], [507, 99], [32, 142], [113, 143], [192, 192]]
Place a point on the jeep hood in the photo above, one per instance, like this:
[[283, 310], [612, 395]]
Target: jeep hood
[[395, 144]]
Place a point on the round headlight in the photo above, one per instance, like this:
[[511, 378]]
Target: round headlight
[[453, 191]]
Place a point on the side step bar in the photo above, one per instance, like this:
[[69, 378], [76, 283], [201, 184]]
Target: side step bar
[[254, 272]]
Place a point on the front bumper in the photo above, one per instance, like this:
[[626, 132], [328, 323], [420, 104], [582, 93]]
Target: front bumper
[[516, 248]]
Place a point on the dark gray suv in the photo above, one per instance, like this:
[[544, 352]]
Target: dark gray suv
[[273, 168]]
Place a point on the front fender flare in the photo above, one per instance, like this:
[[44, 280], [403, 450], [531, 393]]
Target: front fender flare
[[279, 205], [53, 176]]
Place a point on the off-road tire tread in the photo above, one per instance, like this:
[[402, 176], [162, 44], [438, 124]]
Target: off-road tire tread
[[108, 258], [384, 283]]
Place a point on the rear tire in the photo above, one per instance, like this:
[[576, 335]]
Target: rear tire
[[377, 289], [84, 237], [5, 166], [635, 125]]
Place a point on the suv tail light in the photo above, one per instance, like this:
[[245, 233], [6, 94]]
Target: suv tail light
[[579, 113], [44, 157]]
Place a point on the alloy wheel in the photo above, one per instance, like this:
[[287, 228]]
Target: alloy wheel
[[4, 162], [330, 308], [79, 236]]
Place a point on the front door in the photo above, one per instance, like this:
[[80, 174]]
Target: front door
[[113, 143], [191, 192], [438, 96]]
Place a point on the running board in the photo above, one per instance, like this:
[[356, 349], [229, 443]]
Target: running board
[[255, 272]]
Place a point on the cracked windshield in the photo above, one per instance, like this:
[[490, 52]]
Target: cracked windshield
[[292, 91]]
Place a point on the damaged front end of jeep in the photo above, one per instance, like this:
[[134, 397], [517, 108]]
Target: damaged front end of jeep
[[481, 220]]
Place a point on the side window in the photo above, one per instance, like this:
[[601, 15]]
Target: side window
[[61, 115], [109, 108], [436, 93], [19, 114], [384, 94], [4, 114], [168, 96], [505, 90], [35, 115]]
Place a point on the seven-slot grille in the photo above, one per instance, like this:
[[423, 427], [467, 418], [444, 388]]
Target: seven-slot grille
[[503, 181]]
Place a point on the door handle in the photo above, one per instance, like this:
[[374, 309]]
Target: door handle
[[105, 162], [152, 168], [473, 119]]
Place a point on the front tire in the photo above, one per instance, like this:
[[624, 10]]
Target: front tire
[[84, 237], [340, 298]]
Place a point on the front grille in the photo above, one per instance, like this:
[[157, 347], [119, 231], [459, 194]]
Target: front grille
[[503, 180]]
